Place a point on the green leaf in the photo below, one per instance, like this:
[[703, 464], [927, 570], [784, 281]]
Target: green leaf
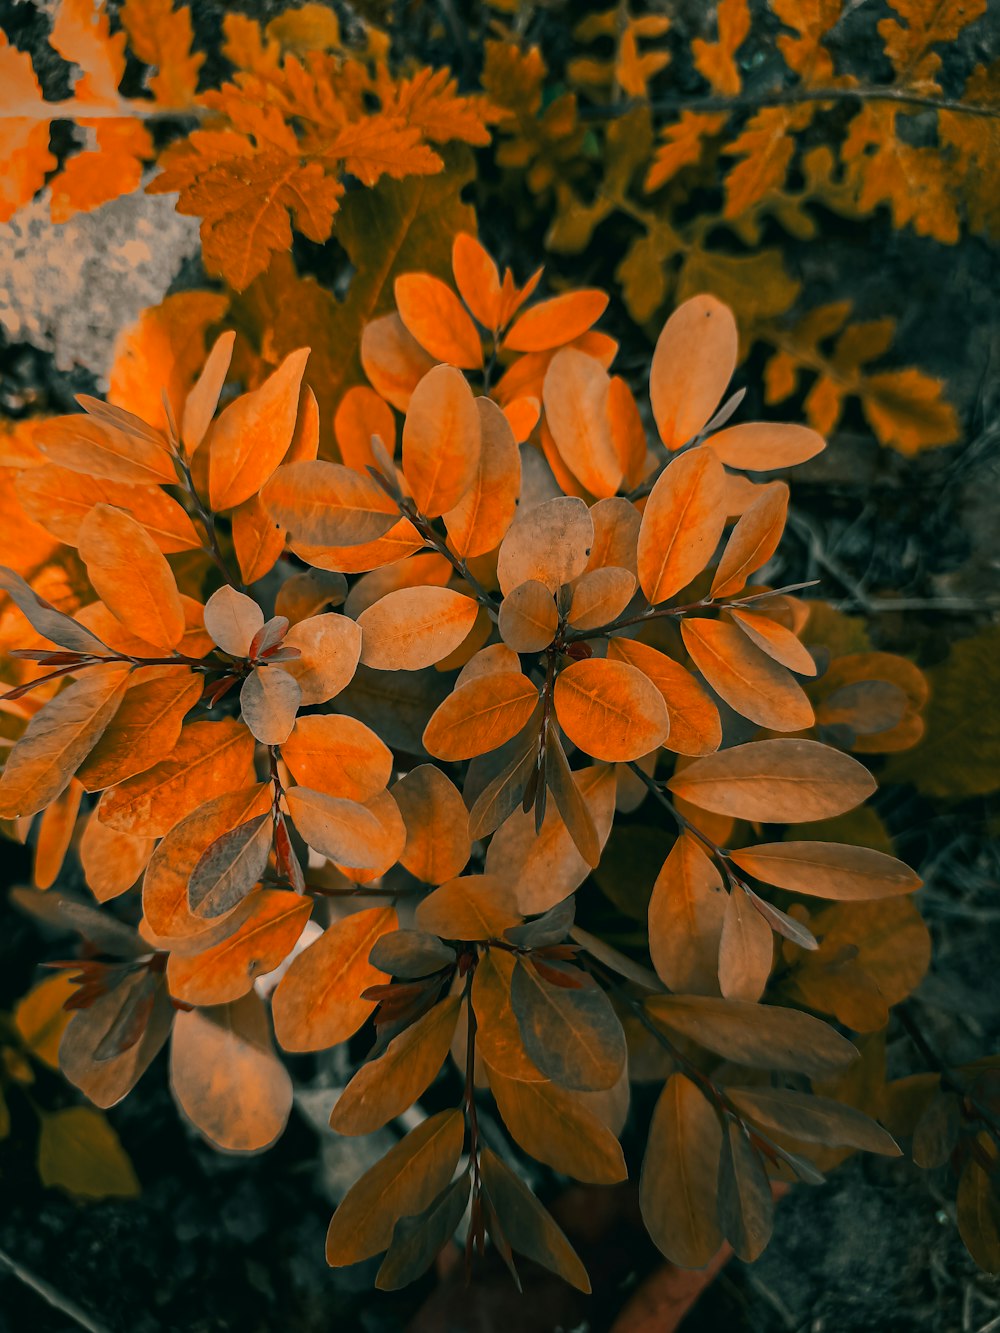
[[403, 1183], [746, 1209], [410, 954], [229, 868], [528, 1227], [78, 1151], [417, 1240], [960, 753], [813, 1119], [573, 1036]]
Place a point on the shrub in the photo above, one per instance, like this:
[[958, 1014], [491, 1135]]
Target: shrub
[[522, 658]]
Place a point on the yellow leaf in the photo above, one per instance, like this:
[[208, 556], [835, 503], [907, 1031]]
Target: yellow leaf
[[78, 1151]]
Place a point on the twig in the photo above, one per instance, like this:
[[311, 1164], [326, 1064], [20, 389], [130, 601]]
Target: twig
[[49, 1294], [793, 97]]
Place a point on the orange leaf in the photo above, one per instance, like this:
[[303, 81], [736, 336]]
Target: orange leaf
[[112, 862], [575, 394], [686, 910], [393, 359], [545, 867], [208, 758], [228, 969], [775, 640], [681, 524], [329, 647], [339, 755], [55, 829], [131, 576], [165, 885], [201, 402], [226, 1076], [600, 596], [392, 840], [828, 870], [146, 726], [477, 279], [550, 542], [749, 681], [415, 627], [764, 446], [252, 435], [555, 322], [317, 1003], [161, 35], [616, 534], [437, 824], [401, 540], [360, 415], [746, 949], [82, 444], [528, 618], [480, 715], [325, 504], [441, 441], [693, 362], [389, 1086], [114, 168], [473, 907], [60, 500], [753, 541], [402, 1184], [24, 157], [478, 522], [343, 831], [610, 709], [694, 719], [257, 539], [435, 316], [57, 740], [628, 434], [162, 354], [788, 780]]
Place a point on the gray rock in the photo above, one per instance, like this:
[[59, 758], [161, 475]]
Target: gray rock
[[71, 288]]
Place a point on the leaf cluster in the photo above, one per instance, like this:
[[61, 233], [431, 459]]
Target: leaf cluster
[[362, 726]]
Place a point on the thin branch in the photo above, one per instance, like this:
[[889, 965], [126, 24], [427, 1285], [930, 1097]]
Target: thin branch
[[432, 539], [793, 97], [50, 1295]]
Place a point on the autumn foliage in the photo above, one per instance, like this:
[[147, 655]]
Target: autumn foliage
[[512, 661], [339, 675]]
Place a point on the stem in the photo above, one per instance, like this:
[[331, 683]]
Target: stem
[[792, 97], [682, 822], [676, 612], [714, 1093], [362, 891], [423, 526], [947, 1074], [471, 1115], [207, 518]]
